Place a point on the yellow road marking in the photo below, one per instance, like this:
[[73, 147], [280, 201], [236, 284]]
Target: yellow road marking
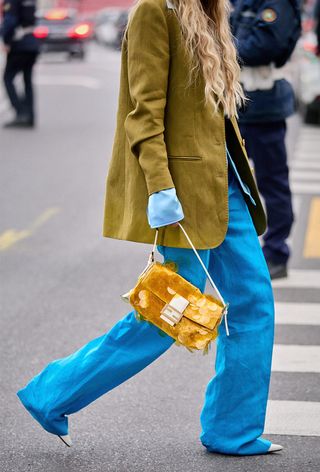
[[12, 236], [312, 239]]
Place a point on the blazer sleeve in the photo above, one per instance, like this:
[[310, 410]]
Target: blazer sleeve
[[148, 69]]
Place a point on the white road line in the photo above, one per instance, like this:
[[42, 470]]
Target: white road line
[[309, 130], [303, 155], [305, 188], [295, 358], [299, 278], [298, 313], [293, 418], [304, 151], [305, 164], [307, 139], [312, 134], [307, 143], [310, 175], [80, 81], [307, 133]]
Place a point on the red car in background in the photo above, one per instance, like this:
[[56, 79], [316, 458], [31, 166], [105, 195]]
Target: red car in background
[[62, 30]]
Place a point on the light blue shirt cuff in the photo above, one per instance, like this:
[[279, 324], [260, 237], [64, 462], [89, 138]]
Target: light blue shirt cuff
[[164, 208]]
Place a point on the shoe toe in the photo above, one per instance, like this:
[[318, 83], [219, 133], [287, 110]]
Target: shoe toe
[[66, 439], [275, 447]]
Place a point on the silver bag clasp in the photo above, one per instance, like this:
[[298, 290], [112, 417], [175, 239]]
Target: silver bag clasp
[[172, 312]]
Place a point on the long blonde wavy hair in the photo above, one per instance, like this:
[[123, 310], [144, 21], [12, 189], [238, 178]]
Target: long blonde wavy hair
[[206, 30]]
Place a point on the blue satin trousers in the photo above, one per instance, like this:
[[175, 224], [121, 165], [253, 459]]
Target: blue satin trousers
[[235, 403]]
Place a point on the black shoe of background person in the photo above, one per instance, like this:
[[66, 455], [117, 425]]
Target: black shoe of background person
[[21, 121], [277, 271]]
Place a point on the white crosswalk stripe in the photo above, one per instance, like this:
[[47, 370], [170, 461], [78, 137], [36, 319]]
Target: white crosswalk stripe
[[309, 175], [311, 154], [293, 418], [298, 313], [299, 278], [295, 358], [306, 164], [305, 188]]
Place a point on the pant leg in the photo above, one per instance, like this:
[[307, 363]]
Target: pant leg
[[12, 68], [234, 410], [69, 384], [266, 147], [27, 75]]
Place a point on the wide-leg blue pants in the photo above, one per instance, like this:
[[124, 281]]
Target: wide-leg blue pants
[[234, 410]]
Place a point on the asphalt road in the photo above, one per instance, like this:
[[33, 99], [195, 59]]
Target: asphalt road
[[61, 284]]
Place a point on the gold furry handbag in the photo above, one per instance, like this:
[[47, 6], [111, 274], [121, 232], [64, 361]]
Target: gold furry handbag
[[164, 298]]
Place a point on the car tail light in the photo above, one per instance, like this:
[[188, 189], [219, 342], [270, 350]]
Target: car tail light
[[41, 32], [82, 30]]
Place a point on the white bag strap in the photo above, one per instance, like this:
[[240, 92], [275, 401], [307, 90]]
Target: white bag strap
[[151, 259]]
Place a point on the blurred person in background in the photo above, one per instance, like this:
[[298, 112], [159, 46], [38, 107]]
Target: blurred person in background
[[21, 48], [178, 154], [266, 33]]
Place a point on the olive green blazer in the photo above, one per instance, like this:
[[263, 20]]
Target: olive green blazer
[[167, 136]]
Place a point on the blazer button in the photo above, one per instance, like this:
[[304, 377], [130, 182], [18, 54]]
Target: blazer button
[[243, 142]]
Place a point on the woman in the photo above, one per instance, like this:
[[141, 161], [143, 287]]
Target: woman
[[179, 93]]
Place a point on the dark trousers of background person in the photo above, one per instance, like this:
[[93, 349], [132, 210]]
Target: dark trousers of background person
[[20, 63], [265, 143]]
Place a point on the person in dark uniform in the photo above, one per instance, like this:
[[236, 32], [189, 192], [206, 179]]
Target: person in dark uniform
[[266, 32], [22, 49]]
